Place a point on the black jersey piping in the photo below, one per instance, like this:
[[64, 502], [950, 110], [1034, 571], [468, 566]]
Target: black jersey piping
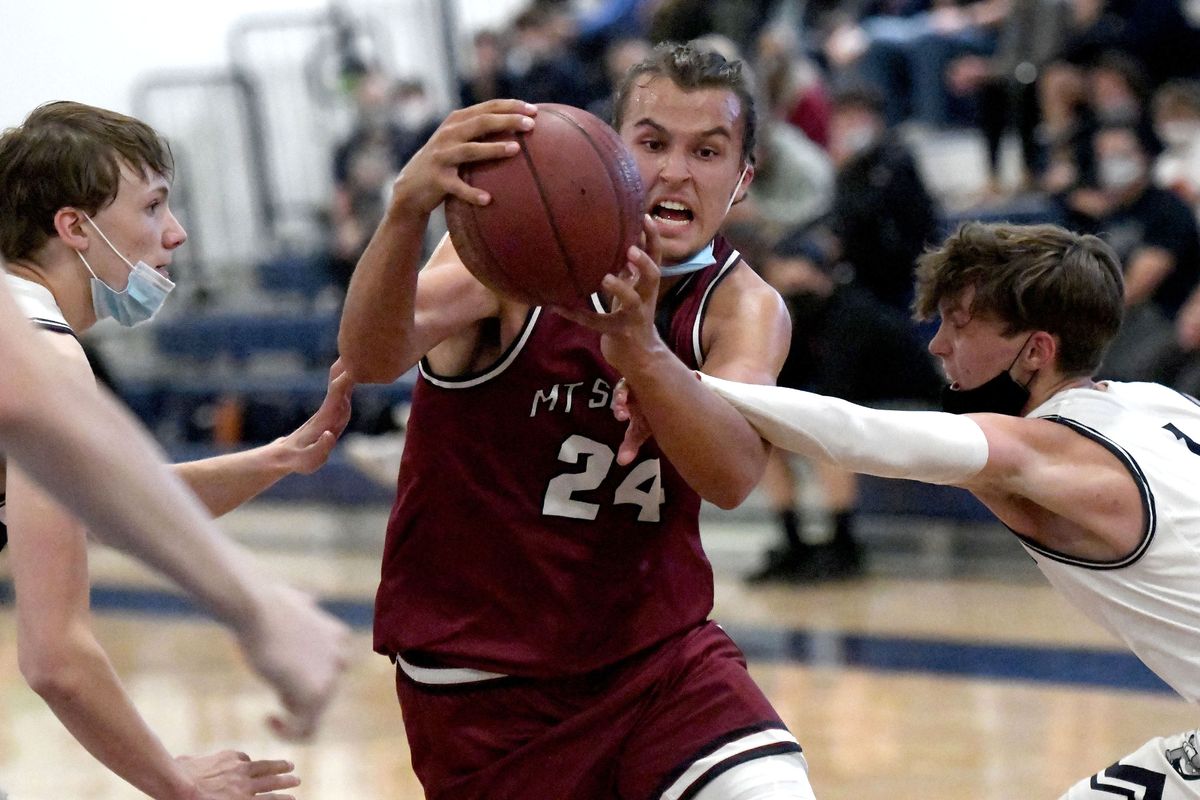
[[1148, 506], [698, 329], [502, 363], [52, 325]]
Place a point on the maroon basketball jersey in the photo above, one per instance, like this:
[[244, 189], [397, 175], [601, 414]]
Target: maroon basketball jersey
[[517, 544]]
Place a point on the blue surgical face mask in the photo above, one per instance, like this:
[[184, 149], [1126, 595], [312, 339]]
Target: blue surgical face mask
[[705, 257], [143, 295]]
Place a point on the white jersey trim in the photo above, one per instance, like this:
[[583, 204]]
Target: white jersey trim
[[37, 303], [467, 382], [702, 768], [698, 326], [445, 676], [1139, 478]]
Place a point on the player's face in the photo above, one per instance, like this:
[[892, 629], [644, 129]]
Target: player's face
[[140, 225], [688, 147], [972, 348]]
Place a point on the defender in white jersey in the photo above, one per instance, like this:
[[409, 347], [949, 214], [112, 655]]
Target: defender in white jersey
[[1098, 479]]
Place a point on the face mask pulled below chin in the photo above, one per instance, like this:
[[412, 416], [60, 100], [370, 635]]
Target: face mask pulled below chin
[[1000, 395], [142, 298]]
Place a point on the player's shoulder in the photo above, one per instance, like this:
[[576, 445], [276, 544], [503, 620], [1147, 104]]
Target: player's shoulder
[[743, 291], [68, 352]]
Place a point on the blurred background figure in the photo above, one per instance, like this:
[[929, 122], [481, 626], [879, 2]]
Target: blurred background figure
[[883, 216], [903, 47], [845, 343], [487, 77], [393, 119], [1031, 34], [1155, 234], [1176, 111]]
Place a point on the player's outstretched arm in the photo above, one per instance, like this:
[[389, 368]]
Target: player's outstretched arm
[[62, 661], [73, 438], [377, 334], [225, 482]]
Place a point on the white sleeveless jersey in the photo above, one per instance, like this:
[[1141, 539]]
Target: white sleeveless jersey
[[1151, 598]]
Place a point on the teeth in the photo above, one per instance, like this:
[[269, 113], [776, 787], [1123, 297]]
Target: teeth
[[674, 205], [665, 221]]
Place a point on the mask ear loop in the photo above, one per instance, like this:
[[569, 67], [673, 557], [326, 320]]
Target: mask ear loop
[[737, 186], [1017, 358], [120, 255]]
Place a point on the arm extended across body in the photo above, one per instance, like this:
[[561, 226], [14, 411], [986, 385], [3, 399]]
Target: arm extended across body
[[1060, 489], [103, 466], [746, 336], [58, 653]]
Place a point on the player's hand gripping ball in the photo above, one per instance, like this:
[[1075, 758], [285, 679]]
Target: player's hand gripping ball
[[563, 214]]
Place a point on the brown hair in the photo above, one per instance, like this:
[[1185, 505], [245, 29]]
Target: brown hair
[[68, 154], [1031, 277], [691, 67]]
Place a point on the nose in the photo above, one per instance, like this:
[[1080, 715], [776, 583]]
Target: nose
[[673, 167], [174, 234], [938, 344]]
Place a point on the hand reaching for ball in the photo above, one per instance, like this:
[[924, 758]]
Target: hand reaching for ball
[[432, 174]]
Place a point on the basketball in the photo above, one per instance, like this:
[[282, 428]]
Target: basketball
[[564, 211]]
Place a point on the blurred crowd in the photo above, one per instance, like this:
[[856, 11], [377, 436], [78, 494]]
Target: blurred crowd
[[1102, 97]]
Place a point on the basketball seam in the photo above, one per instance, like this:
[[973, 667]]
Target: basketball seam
[[558, 237], [614, 180], [481, 246]]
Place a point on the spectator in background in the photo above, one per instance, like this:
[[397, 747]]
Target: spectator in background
[[1155, 235], [793, 85], [902, 48], [847, 344], [393, 121], [1031, 35], [683, 20], [793, 184], [541, 64], [619, 56], [1176, 110], [488, 78], [882, 215]]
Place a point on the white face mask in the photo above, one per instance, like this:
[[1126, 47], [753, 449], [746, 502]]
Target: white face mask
[[1179, 134], [1118, 172], [142, 297], [859, 140], [705, 257]]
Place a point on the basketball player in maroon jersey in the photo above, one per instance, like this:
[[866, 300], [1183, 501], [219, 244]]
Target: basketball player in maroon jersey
[[544, 593]]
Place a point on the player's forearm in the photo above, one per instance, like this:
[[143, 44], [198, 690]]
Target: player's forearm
[[151, 515], [79, 685], [717, 452], [378, 315], [929, 446], [227, 481]]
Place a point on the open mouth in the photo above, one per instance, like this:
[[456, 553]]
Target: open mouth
[[671, 212]]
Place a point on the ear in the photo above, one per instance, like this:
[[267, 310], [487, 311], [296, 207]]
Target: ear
[[71, 226], [1042, 350]]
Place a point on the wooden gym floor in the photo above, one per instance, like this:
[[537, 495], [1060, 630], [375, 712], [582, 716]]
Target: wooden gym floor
[[950, 672]]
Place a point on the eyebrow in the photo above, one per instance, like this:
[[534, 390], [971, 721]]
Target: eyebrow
[[720, 130]]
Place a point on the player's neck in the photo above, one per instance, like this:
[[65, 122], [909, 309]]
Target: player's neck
[[1054, 384]]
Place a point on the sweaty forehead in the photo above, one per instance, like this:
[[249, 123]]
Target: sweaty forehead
[[681, 111]]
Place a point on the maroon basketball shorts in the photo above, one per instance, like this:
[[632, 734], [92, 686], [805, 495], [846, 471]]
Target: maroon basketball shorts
[[663, 722]]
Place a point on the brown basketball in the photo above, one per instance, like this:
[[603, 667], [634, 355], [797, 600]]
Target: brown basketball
[[563, 214]]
